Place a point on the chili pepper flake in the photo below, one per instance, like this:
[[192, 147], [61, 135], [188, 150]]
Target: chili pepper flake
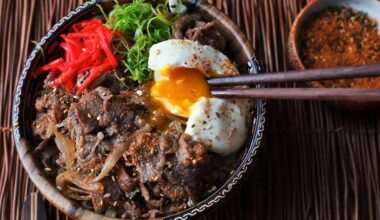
[[340, 36]]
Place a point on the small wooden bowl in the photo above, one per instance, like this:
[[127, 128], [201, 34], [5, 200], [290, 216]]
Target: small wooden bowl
[[239, 50], [371, 7]]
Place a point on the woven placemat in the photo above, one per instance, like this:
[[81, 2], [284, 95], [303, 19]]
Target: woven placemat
[[316, 163]]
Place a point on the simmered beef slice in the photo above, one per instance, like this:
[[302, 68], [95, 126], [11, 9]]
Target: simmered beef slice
[[118, 115], [182, 175], [152, 214], [51, 107], [182, 183], [87, 115], [101, 110], [125, 181], [132, 210], [107, 80], [146, 194], [100, 120], [91, 165], [133, 97], [196, 27], [158, 163], [48, 153], [144, 152], [107, 199], [191, 152], [168, 141], [218, 168], [55, 102]]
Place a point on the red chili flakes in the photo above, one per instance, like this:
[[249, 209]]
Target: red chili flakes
[[340, 36]]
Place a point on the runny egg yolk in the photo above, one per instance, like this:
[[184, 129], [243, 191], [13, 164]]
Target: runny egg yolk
[[182, 88]]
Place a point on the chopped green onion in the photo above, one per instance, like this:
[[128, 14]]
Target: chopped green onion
[[145, 25]]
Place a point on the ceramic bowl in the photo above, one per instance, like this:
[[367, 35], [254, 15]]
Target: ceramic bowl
[[371, 7], [240, 51]]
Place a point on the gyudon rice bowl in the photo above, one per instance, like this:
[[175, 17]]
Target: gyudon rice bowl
[[124, 122]]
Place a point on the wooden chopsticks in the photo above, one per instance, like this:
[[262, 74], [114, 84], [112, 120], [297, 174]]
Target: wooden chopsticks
[[353, 95], [349, 94], [299, 76]]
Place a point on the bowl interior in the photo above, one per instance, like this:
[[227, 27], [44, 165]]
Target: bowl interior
[[239, 50], [371, 7]]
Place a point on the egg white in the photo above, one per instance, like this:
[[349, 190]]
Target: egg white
[[186, 53], [217, 123]]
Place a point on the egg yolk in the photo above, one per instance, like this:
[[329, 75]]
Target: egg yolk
[[181, 90]]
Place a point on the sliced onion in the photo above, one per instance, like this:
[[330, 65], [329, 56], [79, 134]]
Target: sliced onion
[[112, 159], [117, 153], [176, 125], [50, 127], [66, 180], [66, 146]]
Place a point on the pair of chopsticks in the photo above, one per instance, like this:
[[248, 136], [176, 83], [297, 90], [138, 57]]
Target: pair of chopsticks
[[224, 86]]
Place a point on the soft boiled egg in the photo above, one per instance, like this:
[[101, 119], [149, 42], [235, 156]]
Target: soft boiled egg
[[180, 70]]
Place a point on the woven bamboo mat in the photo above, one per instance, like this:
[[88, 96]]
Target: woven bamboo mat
[[316, 162]]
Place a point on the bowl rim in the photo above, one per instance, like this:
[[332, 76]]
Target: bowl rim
[[73, 209], [293, 46]]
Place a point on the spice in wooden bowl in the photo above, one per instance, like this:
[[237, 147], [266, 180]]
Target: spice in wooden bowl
[[340, 36]]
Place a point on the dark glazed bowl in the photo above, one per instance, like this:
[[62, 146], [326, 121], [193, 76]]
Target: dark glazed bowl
[[239, 49]]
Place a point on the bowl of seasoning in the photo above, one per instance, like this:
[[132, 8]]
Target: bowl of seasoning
[[334, 34]]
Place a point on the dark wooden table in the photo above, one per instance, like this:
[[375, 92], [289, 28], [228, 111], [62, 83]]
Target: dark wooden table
[[317, 162]]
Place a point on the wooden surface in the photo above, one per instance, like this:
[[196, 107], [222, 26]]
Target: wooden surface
[[317, 162]]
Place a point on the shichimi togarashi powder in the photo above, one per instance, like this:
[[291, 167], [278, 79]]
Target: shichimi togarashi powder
[[340, 36]]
